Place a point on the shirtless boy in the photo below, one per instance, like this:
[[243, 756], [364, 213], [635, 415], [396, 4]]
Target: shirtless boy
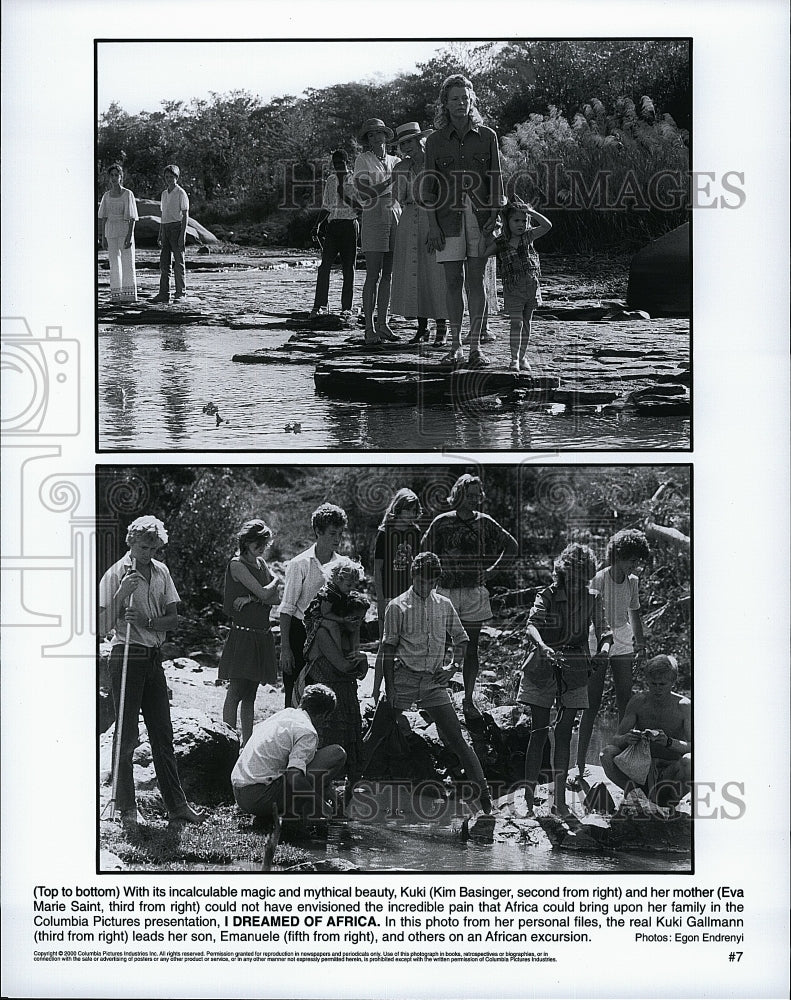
[[668, 717]]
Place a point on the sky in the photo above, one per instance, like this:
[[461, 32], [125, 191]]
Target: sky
[[140, 75]]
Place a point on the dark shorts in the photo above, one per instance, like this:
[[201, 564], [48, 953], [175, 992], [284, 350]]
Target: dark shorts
[[259, 799]]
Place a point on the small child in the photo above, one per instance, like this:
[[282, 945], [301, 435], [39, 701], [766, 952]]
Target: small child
[[520, 270], [618, 588], [338, 607]]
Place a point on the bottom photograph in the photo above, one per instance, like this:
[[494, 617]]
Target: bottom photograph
[[403, 668]]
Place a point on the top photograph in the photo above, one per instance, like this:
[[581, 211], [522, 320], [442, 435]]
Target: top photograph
[[393, 246]]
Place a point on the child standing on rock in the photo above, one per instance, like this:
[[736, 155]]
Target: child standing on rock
[[520, 270]]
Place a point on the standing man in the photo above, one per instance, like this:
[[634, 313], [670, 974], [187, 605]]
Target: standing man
[[471, 546], [137, 599], [304, 579], [463, 193], [417, 626], [174, 215]]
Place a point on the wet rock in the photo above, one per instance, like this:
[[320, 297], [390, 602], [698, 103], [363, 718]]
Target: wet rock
[[582, 397]]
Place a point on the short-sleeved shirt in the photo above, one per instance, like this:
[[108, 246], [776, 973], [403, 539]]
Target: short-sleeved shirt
[[619, 599], [173, 203], [332, 201], [564, 619], [304, 579], [120, 209], [396, 547], [418, 629], [151, 598], [465, 548], [287, 739]]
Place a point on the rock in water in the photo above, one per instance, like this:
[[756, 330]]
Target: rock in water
[[660, 276]]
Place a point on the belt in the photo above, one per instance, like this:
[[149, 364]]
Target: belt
[[246, 628]]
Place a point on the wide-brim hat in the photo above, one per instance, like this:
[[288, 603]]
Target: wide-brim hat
[[374, 125], [410, 130]]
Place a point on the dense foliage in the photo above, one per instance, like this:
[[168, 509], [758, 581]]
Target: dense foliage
[[544, 507], [623, 107]]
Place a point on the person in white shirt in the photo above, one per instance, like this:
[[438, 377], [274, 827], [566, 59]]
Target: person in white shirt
[[175, 211], [281, 766], [338, 218], [304, 579], [139, 603]]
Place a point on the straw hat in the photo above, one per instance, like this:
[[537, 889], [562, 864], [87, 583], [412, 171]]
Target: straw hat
[[410, 130], [374, 125]]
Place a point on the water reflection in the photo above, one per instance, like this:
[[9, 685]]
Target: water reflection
[[154, 381]]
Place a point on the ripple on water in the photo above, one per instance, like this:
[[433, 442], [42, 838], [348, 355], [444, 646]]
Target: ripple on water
[[155, 381]]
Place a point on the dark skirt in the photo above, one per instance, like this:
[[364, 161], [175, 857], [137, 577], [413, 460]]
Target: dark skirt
[[248, 655], [345, 726]]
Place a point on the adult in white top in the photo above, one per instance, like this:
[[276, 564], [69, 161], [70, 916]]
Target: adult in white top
[[280, 766], [373, 180], [117, 215], [338, 218], [175, 210], [304, 579], [139, 603]]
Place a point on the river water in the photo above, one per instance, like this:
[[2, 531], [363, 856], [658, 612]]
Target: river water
[[155, 381]]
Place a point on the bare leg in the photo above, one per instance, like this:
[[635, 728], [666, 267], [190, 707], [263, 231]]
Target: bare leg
[[622, 679], [471, 663], [476, 299], [373, 269], [450, 733], [527, 329], [454, 284], [241, 691], [539, 730], [561, 760], [595, 691], [516, 337]]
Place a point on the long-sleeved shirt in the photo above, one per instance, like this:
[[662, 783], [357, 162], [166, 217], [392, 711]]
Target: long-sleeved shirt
[[459, 164], [304, 579]]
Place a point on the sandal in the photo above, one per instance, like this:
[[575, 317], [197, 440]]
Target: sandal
[[455, 357], [478, 360]]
